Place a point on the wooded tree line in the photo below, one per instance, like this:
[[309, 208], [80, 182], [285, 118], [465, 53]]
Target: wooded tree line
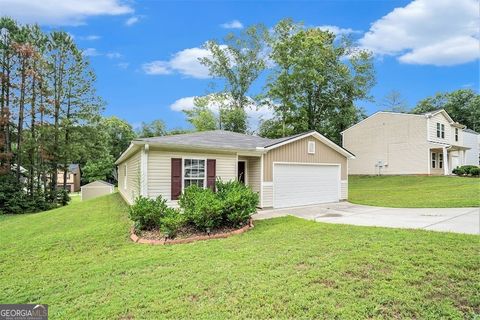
[[48, 106]]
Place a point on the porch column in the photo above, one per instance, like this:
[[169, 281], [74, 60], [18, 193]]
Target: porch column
[[445, 161], [462, 160]]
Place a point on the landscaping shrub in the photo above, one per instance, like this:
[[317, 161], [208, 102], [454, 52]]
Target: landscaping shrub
[[201, 207], [146, 212], [466, 170], [171, 222], [239, 202]]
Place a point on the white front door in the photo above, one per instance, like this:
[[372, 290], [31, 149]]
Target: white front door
[[305, 184]]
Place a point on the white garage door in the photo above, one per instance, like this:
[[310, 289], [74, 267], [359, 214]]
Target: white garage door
[[303, 184]]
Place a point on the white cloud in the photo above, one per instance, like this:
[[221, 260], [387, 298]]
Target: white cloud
[[61, 12], [123, 65], [234, 24], [338, 30], [184, 62], [91, 37], [437, 32], [254, 113], [156, 67], [132, 20], [91, 52], [113, 55]]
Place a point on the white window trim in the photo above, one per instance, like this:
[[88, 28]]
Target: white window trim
[[433, 163], [442, 131], [439, 135], [311, 143], [183, 171], [456, 134], [440, 161]]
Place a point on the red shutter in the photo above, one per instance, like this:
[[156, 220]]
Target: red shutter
[[176, 178], [211, 173]]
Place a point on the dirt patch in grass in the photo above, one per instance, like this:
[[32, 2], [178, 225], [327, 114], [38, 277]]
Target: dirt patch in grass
[[184, 233]]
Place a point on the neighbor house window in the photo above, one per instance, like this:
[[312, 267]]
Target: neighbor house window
[[440, 160], [438, 130], [443, 131], [311, 147], [194, 172], [434, 160], [456, 134]]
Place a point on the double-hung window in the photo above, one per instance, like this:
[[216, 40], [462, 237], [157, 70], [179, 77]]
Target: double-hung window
[[456, 134], [194, 172], [434, 160], [440, 160], [440, 130]]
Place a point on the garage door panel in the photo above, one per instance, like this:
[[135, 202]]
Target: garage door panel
[[298, 184]]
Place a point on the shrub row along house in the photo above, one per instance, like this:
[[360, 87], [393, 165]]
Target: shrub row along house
[[299, 170], [402, 143]]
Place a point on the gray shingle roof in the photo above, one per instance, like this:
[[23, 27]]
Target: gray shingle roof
[[216, 139], [470, 131]]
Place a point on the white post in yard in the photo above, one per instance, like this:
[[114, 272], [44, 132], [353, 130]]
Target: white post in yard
[[462, 163], [445, 161]]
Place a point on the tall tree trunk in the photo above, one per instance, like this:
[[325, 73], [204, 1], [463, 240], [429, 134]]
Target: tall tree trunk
[[58, 84], [32, 132], [67, 138], [21, 109]]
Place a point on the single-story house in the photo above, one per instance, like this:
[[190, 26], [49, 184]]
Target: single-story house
[[73, 178], [96, 189], [403, 143], [303, 169]]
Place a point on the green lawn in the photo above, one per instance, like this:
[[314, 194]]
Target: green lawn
[[414, 191], [80, 261]]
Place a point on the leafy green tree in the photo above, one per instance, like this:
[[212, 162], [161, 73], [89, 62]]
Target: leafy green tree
[[316, 79], [394, 102], [462, 105], [99, 169], [239, 61], [155, 128], [201, 117], [119, 134]]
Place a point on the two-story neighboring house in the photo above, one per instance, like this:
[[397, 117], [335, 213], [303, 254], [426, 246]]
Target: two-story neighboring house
[[73, 178], [403, 143]]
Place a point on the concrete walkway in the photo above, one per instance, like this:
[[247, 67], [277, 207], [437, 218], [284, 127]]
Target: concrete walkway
[[460, 220]]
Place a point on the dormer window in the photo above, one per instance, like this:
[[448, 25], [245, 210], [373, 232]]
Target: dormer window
[[311, 147]]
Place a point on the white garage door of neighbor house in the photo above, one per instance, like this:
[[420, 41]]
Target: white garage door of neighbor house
[[304, 184]]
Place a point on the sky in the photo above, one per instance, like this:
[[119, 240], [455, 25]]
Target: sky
[[145, 53]]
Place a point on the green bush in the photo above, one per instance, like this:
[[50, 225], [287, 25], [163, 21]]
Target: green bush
[[201, 207], [172, 222], [239, 202], [146, 212], [475, 171], [466, 170]]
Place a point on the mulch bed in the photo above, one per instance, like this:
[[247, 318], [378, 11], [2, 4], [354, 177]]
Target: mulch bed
[[186, 235]]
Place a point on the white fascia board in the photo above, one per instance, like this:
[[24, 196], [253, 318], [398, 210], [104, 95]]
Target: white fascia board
[[131, 148]]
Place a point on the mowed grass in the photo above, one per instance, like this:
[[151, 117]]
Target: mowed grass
[[79, 260], [414, 191]]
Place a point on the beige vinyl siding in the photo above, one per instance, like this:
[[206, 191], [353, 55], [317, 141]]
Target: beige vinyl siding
[[398, 140], [159, 169], [344, 190], [132, 189], [449, 130], [297, 152], [267, 195], [253, 172]]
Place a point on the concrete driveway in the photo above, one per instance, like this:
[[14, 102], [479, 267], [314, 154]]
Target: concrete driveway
[[460, 220]]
